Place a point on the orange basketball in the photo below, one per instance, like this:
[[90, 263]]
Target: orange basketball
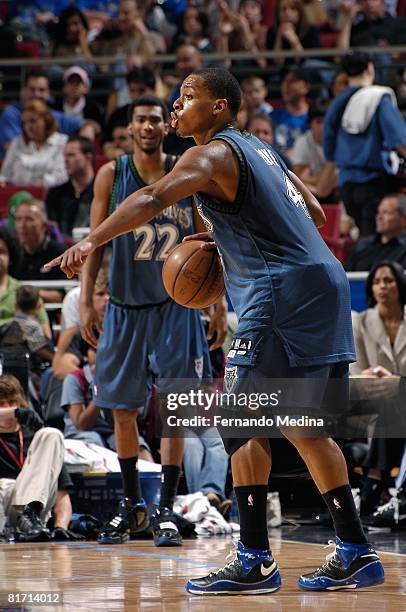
[[192, 276]]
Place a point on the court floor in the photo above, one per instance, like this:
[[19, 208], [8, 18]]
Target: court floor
[[138, 576]]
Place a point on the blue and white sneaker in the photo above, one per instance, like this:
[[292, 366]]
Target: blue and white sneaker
[[252, 572], [349, 566]]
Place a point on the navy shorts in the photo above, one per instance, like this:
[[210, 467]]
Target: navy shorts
[[142, 346], [255, 359]]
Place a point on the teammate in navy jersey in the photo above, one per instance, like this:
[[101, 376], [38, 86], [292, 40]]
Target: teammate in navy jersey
[[292, 300], [145, 334]]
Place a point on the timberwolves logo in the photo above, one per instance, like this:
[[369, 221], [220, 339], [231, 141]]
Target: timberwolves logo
[[199, 367], [230, 379]]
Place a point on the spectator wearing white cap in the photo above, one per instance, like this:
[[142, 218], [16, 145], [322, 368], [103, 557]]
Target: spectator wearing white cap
[[75, 101]]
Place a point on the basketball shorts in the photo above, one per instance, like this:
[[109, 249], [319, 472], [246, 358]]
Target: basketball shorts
[[138, 347], [254, 365]]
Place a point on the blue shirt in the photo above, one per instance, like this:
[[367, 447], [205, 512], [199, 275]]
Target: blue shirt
[[10, 124], [287, 127], [279, 273], [359, 156]]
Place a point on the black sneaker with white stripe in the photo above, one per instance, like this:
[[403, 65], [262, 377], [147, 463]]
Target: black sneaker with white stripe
[[165, 528], [389, 516], [129, 518]]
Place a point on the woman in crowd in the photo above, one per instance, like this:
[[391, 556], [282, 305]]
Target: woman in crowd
[[380, 339], [36, 157], [292, 32], [195, 31]]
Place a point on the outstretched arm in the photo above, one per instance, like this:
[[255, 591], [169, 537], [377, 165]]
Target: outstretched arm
[[193, 172]]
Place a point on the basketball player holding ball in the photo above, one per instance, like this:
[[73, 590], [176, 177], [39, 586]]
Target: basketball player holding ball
[[143, 330], [292, 300]]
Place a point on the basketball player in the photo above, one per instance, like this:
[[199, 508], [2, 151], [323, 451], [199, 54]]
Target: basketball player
[[292, 300], [144, 332]]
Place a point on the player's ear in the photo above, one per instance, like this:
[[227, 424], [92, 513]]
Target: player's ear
[[220, 106], [166, 128], [130, 129]]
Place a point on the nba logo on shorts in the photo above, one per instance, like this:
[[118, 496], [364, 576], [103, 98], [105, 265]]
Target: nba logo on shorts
[[230, 379]]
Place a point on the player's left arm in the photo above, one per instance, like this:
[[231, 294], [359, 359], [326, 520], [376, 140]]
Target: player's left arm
[[312, 203], [196, 168]]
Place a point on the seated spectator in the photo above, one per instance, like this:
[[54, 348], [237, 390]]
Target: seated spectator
[[367, 24], [32, 20], [261, 126], [141, 81], [33, 478], [127, 34], [75, 101], [18, 198], [380, 341], [389, 241], [292, 31], [255, 93], [188, 59], [339, 83], [71, 349], [10, 257], [121, 143], [36, 87], [36, 157], [195, 30], [71, 36], [308, 160], [291, 121], [83, 420], [37, 247], [242, 30], [205, 463], [28, 307], [69, 204]]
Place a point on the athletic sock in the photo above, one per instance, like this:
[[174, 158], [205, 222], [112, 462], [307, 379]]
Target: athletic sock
[[347, 523], [131, 479], [251, 502], [169, 485]]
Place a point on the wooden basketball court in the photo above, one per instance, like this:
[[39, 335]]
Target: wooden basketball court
[[138, 576]]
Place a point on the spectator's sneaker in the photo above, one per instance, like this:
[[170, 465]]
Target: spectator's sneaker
[[127, 520], [388, 516], [164, 528], [30, 528], [252, 572], [350, 566]]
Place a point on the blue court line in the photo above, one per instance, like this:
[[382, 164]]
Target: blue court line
[[140, 553]]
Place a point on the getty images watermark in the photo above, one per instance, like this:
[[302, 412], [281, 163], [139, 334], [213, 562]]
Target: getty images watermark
[[210, 402]]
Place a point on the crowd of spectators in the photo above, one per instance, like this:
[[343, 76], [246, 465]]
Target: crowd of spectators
[[336, 122]]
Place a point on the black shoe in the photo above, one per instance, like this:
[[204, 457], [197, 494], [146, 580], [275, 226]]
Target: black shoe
[[388, 516], [127, 520], [164, 528], [350, 566], [30, 528], [60, 534], [253, 572], [370, 495]]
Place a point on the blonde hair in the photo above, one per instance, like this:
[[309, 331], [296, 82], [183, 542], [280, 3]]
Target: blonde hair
[[41, 109]]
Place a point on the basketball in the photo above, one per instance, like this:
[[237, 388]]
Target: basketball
[[192, 276]]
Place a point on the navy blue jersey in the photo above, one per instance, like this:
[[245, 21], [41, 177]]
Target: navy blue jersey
[[138, 256], [279, 273]]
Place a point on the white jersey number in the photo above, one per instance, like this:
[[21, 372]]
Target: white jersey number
[[149, 236], [296, 196]]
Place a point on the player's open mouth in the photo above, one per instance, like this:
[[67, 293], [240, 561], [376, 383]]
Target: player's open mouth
[[174, 121]]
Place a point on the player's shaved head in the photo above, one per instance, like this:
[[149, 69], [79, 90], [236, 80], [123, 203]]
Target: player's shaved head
[[222, 84]]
